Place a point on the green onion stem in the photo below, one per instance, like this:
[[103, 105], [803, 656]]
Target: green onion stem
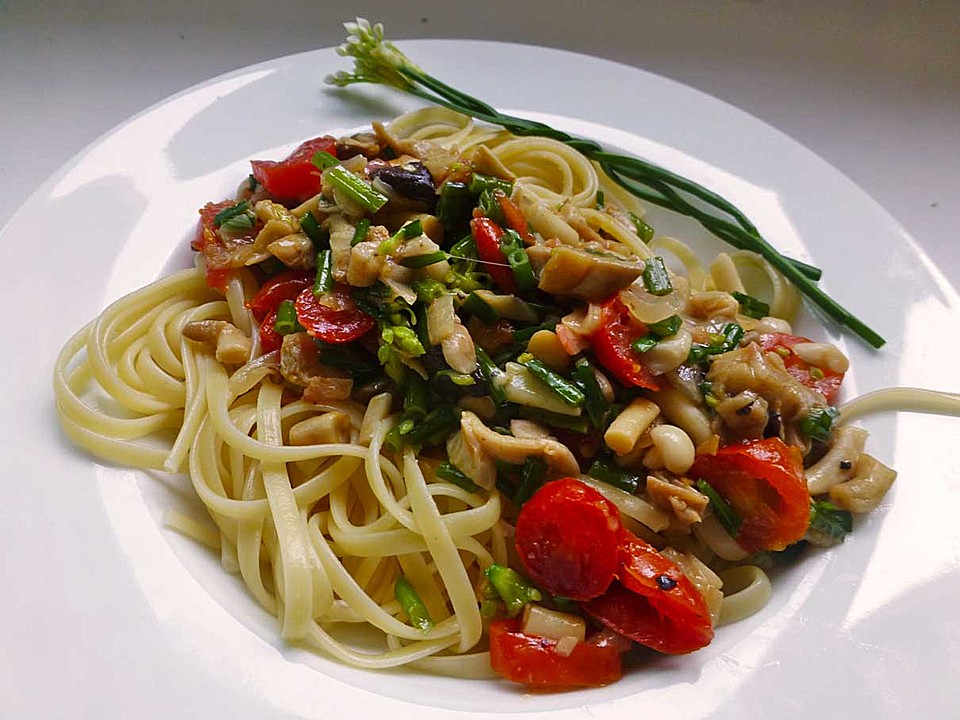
[[595, 403], [613, 475], [727, 516], [451, 473], [512, 587], [566, 390], [286, 322], [360, 233], [412, 605], [490, 371], [356, 189], [324, 281]]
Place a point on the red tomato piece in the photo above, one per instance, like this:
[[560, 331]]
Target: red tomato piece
[[296, 177], [653, 603], [270, 339], [220, 256], [283, 286], [533, 660], [486, 233], [335, 318], [611, 344], [781, 343], [513, 216], [207, 214], [567, 539], [764, 483]]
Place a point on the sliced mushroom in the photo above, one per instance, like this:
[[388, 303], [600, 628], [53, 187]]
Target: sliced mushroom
[[678, 497], [476, 448], [749, 368], [410, 180], [230, 345], [295, 251], [572, 271]]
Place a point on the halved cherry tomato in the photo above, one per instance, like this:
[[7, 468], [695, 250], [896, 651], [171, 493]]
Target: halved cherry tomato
[[781, 343], [567, 539], [611, 344], [764, 483], [334, 318], [283, 286], [533, 660], [486, 233], [295, 178], [653, 603], [270, 339]]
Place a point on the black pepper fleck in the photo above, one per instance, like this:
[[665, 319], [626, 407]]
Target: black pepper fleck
[[845, 464], [666, 583]]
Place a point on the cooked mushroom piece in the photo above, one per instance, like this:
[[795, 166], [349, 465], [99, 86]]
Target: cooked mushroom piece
[[411, 180], [476, 448], [230, 345], [591, 276]]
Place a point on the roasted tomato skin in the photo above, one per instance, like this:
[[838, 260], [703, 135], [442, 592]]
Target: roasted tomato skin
[[763, 481], [486, 234], [567, 539], [296, 177], [333, 318], [534, 661], [782, 343], [270, 339], [283, 286], [653, 602], [612, 345]]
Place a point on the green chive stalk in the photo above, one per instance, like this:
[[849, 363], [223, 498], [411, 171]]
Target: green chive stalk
[[379, 61]]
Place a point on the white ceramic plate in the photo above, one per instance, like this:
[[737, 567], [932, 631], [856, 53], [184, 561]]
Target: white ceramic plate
[[105, 614]]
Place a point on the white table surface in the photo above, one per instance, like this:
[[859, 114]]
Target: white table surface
[[872, 87]]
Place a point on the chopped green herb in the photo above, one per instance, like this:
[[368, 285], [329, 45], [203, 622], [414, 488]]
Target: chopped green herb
[[595, 404], [474, 304], [727, 516], [324, 281], [818, 423], [356, 189], [451, 473], [323, 160], [227, 213], [613, 475], [567, 391], [286, 322], [360, 233], [485, 183], [512, 587], [828, 521], [311, 228], [666, 327], [532, 475], [751, 306], [656, 280], [645, 343], [412, 605], [644, 231], [422, 261]]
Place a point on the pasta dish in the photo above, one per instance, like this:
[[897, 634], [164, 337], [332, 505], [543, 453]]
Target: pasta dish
[[442, 388]]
